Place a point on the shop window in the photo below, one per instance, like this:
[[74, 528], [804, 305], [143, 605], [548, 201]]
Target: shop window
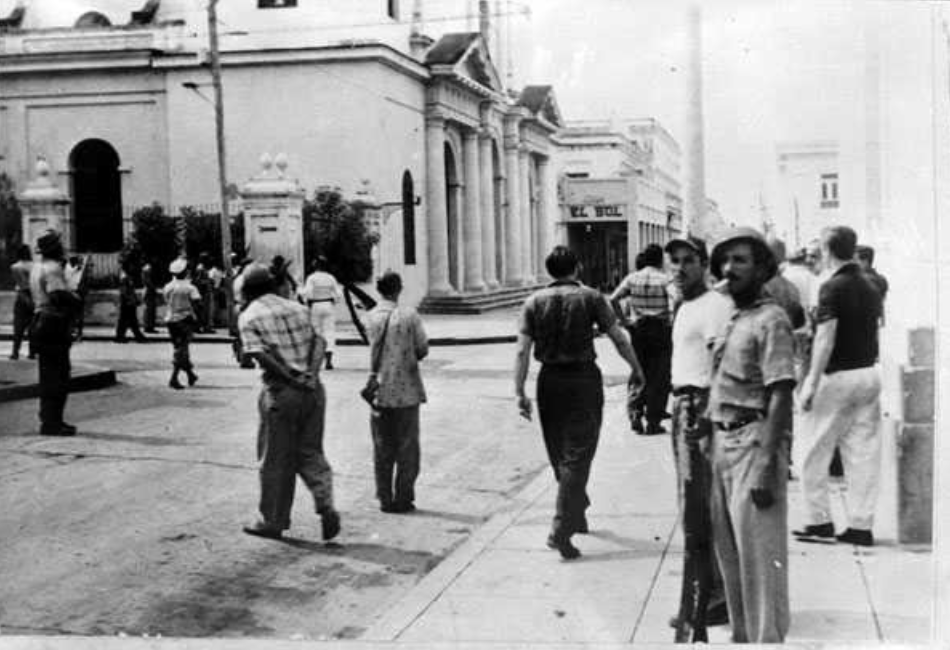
[[408, 219]]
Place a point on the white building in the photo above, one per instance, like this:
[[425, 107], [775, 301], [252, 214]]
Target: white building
[[115, 95], [810, 191]]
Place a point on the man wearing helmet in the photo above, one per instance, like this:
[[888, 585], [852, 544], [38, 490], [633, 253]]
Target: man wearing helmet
[[750, 406]]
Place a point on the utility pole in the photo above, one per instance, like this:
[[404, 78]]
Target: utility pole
[[215, 61]]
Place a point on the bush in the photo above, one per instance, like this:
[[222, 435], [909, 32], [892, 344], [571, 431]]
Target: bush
[[11, 230], [155, 239], [203, 234], [337, 230]]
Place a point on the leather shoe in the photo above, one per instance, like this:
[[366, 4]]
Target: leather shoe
[[261, 530], [563, 546], [856, 536], [823, 531], [654, 430], [330, 523], [61, 429]]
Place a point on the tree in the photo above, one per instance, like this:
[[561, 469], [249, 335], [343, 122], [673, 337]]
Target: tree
[[155, 239], [203, 234], [337, 230], [11, 229]]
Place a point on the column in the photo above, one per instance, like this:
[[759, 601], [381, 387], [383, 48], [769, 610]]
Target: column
[[436, 220], [487, 183], [513, 222], [471, 218], [527, 256], [545, 218]]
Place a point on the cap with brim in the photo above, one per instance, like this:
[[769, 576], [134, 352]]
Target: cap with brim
[[177, 266], [694, 243], [743, 233]]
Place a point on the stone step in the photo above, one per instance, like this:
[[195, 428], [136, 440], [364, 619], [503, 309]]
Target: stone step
[[476, 303]]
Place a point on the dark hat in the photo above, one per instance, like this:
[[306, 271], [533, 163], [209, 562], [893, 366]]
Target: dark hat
[[257, 279], [746, 234], [50, 244], [695, 243]]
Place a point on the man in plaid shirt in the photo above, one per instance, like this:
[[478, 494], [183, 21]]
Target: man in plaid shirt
[[277, 333], [651, 334]]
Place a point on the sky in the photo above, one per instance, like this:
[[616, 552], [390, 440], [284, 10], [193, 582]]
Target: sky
[[774, 71]]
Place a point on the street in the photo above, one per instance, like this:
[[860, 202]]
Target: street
[[134, 526]]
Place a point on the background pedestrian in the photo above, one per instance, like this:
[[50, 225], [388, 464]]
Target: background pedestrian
[[320, 293], [181, 296], [128, 309], [23, 303]]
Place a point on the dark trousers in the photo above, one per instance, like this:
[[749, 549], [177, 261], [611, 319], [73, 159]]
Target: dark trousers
[[151, 306], [22, 317], [396, 447], [570, 408], [54, 371], [180, 333], [290, 442], [653, 343], [702, 582], [128, 319]]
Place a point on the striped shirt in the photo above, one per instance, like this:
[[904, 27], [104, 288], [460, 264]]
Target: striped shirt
[[278, 326], [648, 293]]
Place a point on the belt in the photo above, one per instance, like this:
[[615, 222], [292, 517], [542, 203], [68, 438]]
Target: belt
[[736, 424], [310, 302], [688, 390]]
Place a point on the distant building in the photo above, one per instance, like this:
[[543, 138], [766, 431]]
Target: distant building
[[810, 194], [116, 95], [619, 191]]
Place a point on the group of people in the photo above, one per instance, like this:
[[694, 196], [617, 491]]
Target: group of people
[[750, 357]]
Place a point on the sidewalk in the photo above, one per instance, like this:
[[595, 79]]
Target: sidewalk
[[505, 586]]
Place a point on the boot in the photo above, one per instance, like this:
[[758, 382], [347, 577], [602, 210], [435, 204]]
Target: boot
[[329, 363], [192, 378], [173, 382]]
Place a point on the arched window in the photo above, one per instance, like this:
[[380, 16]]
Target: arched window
[[93, 19], [408, 219]]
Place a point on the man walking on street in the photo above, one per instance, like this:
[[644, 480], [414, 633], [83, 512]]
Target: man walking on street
[[320, 293], [277, 333], [128, 309], [650, 332], [700, 320], [750, 406], [181, 296], [558, 321], [399, 342], [150, 297], [23, 303], [56, 308], [840, 396]]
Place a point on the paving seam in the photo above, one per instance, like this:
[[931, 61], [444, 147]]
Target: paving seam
[[656, 577], [428, 590]]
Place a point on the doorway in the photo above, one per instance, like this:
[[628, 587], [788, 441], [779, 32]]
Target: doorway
[[97, 197], [602, 251]]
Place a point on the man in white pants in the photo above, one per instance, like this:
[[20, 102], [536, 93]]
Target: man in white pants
[[840, 397], [320, 293]]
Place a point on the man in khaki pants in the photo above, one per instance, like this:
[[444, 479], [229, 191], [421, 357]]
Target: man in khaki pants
[[750, 406]]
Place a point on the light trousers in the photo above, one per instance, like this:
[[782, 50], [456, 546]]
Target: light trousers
[[845, 413], [751, 543], [323, 319]]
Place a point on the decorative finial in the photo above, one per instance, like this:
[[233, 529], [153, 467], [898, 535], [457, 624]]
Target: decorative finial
[[42, 167], [266, 162], [280, 160]]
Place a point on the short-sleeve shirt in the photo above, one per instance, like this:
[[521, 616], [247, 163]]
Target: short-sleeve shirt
[[560, 319], [851, 298], [698, 325], [320, 286], [757, 351], [278, 326], [179, 294], [400, 381], [649, 293]]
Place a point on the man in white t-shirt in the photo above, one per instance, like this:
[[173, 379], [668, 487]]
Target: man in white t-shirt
[[700, 319], [320, 293]]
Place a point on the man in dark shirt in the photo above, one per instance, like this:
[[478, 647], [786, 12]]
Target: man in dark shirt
[[558, 321], [865, 258], [840, 397]]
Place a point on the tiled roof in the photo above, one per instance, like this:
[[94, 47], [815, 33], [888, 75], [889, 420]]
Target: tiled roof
[[450, 48], [534, 97]]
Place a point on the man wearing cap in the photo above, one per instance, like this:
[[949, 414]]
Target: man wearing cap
[[180, 299], [750, 407], [56, 308], [558, 321], [700, 319], [649, 302], [277, 333], [840, 396]]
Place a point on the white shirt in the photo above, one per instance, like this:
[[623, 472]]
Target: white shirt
[[697, 325], [803, 279], [320, 286]]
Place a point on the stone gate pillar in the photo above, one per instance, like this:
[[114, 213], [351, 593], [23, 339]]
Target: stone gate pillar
[[45, 206], [273, 215]]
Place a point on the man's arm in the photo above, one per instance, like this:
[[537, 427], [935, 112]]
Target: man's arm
[[821, 352], [275, 365], [777, 422], [422, 341], [621, 292], [622, 343], [522, 361]]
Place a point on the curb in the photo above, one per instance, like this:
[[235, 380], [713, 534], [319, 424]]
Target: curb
[[414, 605], [88, 381], [443, 341]]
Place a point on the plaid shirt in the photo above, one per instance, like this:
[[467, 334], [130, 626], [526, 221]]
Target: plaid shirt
[[648, 292], [279, 326]]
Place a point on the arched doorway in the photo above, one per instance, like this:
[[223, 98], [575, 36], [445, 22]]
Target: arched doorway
[[97, 197], [452, 190]]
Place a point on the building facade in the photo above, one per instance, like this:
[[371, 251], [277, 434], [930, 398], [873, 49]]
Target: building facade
[[809, 191], [365, 95]]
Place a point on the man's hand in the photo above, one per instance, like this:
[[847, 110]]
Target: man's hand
[[762, 498], [524, 407], [636, 383], [762, 474], [806, 396]]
